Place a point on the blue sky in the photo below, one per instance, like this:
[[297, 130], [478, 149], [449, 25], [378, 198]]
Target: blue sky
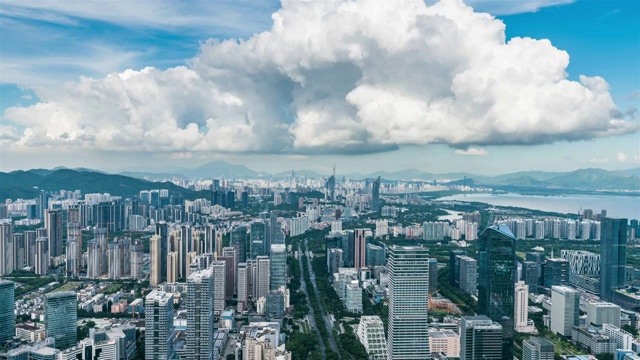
[[43, 46]]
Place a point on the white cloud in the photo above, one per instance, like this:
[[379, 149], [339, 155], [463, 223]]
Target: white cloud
[[472, 151], [621, 157], [599, 160], [502, 7], [336, 77]]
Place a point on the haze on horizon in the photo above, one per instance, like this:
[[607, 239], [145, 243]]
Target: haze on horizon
[[442, 88]]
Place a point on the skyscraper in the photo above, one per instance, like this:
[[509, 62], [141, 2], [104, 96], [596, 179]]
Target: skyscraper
[[60, 318], [521, 316], [162, 230], [278, 264], [556, 272], [137, 260], [408, 269], [480, 338], [375, 195], [359, 248], [74, 235], [261, 283], [200, 315], [158, 322], [258, 239], [433, 275], [243, 287], [613, 254], [53, 224], [467, 274], [496, 286], [565, 310], [42, 259], [155, 269], [7, 317], [6, 249], [453, 269], [537, 349], [239, 241], [219, 285]]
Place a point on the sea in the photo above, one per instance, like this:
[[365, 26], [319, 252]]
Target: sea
[[616, 205]]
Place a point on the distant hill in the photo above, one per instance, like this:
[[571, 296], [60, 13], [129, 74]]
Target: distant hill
[[27, 184]]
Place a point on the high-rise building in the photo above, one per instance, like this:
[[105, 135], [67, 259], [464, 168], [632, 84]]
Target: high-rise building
[[158, 323], [537, 349], [243, 287], [521, 316], [467, 274], [53, 224], [19, 261], [375, 195], [496, 286], [565, 310], [155, 275], [6, 249], [334, 260], [258, 239], [42, 259], [433, 276], [360, 248], [376, 255], [137, 260], [60, 318], [230, 254], [370, 332], [347, 245], [30, 237], [262, 274], [7, 317], [531, 275], [453, 269], [162, 250], [408, 295], [278, 263], [599, 313], [556, 272], [42, 204], [173, 271], [74, 236], [480, 338], [613, 254], [239, 241], [219, 269], [200, 315]]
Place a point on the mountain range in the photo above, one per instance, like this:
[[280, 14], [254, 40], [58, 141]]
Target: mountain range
[[27, 184]]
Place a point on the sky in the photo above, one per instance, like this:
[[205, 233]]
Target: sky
[[486, 86]]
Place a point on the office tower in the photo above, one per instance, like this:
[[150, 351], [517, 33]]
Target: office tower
[[262, 271], [231, 253], [359, 248], [497, 281], [53, 224], [408, 295], [245, 199], [334, 260], [274, 227], [556, 272], [565, 310], [258, 239], [200, 315], [239, 241], [60, 318], [433, 276], [72, 267], [348, 248], [376, 255], [218, 247], [467, 269], [375, 196], [74, 235], [137, 260], [219, 285], [353, 297], [531, 275], [162, 230], [158, 322], [278, 264], [7, 304], [6, 249], [453, 269], [30, 247], [274, 307], [243, 287], [480, 339], [209, 239], [42, 258], [370, 332], [537, 349], [599, 313], [521, 315], [155, 276], [42, 204], [173, 271], [613, 254]]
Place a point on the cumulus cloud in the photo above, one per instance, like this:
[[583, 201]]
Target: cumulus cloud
[[599, 160], [335, 77], [621, 157], [472, 151]]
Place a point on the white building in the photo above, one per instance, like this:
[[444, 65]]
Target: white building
[[353, 298], [521, 319], [623, 339], [370, 332], [599, 313], [565, 310]]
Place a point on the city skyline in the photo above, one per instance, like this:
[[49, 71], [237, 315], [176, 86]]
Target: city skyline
[[313, 135]]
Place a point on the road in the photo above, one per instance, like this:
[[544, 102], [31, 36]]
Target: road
[[311, 316], [328, 324]]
